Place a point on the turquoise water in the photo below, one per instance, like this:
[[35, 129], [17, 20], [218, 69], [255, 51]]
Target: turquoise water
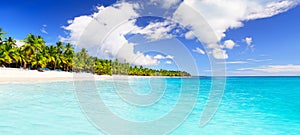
[[250, 105]]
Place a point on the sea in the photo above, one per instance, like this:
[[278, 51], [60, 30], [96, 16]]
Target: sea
[[142, 106]]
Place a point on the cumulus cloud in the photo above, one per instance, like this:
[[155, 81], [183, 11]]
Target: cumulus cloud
[[219, 54], [94, 31], [189, 35], [159, 56], [70, 21], [270, 9], [249, 41], [156, 30], [220, 15], [199, 50], [118, 46], [99, 30], [229, 44]]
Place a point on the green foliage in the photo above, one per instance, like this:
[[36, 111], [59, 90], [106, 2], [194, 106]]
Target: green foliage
[[34, 54]]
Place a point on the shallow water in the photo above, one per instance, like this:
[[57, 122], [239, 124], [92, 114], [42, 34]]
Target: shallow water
[[250, 105]]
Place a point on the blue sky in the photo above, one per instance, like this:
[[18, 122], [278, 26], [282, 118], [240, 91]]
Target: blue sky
[[19, 17], [272, 48]]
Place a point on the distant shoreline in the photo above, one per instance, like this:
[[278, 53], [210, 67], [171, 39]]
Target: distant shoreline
[[8, 75]]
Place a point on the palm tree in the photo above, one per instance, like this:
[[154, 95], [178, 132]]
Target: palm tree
[[60, 61], [69, 56], [4, 55], [28, 50], [40, 61], [1, 35], [53, 56], [33, 45], [9, 52], [62, 56], [13, 50]]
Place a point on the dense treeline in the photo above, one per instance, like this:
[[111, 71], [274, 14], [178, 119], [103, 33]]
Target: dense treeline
[[35, 54]]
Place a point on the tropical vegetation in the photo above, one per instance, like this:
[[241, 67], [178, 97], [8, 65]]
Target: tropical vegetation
[[35, 54]]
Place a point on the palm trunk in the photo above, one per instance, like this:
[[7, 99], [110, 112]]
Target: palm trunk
[[24, 65], [54, 66]]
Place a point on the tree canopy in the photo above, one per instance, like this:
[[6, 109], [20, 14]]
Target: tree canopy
[[35, 54]]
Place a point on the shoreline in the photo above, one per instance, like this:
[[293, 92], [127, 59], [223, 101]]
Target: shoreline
[[15, 75]]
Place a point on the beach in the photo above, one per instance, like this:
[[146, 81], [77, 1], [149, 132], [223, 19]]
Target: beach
[[21, 75]]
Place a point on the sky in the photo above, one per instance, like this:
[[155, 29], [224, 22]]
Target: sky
[[216, 37]]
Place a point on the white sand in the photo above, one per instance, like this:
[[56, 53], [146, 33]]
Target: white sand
[[20, 75]]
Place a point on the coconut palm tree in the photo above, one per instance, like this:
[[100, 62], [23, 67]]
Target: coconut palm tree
[[33, 45], [62, 56], [69, 56], [13, 51], [1, 35], [40, 61], [9, 52], [5, 55], [59, 55], [53, 55]]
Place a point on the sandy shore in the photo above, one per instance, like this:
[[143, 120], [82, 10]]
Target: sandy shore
[[20, 75]]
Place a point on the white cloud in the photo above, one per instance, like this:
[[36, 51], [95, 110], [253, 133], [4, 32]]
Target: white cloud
[[189, 35], [169, 57], [234, 62], [222, 15], [274, 68], [120, 47], [166, 3], [19, 43], [90, 30], [270, 9], [169, 62], [256, 60], [141, 59], [76, 29], [94, 31], [159, 56], [198, 50], [245, 61], [229, 44], [43, 30], [248, 40], [70, 21], [219, 54], [156, 30]]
